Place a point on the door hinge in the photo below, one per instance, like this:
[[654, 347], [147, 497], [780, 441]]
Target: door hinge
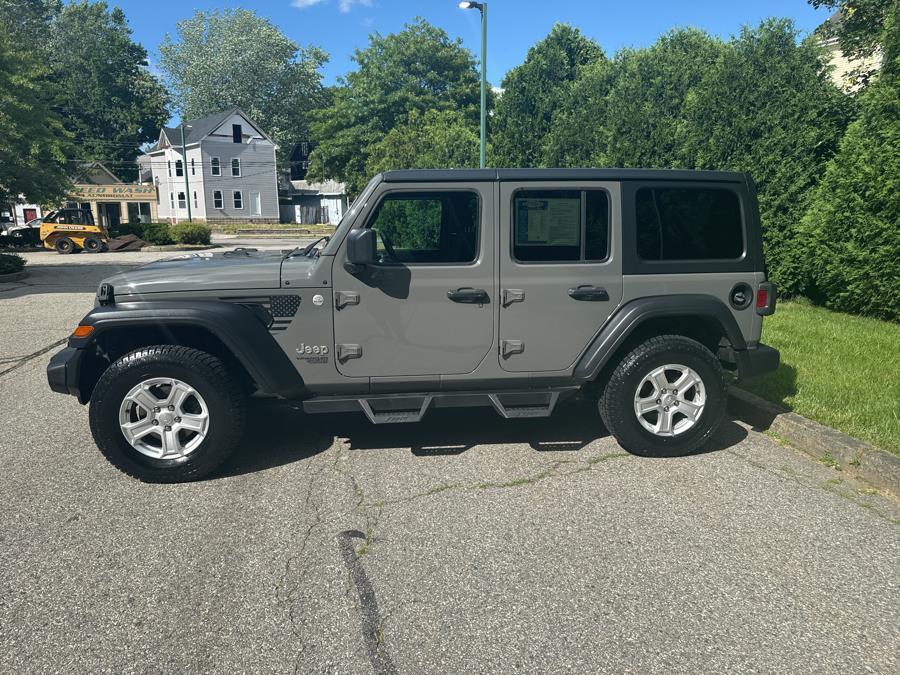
[[510, 347], [347, 352], [511, 295], [344, 298]]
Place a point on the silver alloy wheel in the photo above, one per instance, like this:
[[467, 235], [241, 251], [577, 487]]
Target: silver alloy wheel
[[164, 418], [669, 400]]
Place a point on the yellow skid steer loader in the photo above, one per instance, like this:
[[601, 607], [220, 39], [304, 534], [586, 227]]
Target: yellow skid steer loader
[[69, 230]]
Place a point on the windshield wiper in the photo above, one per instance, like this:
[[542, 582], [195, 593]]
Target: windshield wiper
[[304, 250]]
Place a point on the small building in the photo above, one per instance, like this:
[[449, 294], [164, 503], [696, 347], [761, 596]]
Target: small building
[[225, 171], [18, 213], [849, 75], [308, 202], [110, 200]]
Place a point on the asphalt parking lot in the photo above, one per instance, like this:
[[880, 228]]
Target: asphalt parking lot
[[464, 543]]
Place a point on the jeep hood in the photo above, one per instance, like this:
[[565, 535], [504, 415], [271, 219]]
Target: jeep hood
[[204, 272]]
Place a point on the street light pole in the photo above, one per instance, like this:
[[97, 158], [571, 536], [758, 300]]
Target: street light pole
[[184, 169], [481, 7]]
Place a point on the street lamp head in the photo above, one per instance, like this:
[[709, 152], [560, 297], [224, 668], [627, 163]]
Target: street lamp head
[[467, 4]]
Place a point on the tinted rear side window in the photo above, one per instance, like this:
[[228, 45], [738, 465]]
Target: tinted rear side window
[[688, 224]]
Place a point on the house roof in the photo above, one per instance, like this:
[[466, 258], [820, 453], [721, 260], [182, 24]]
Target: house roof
[[94, 172], [198, 129]]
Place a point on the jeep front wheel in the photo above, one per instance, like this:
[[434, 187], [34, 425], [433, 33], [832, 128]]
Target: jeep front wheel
[[665, 398], [167, 414]]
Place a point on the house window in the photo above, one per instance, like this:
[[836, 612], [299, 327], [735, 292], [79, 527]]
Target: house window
[[169, 165], [172, 200], [236, 133], [238, 199], [216, 166], [195, 199], [182, 201], [236, 167], [255, 204], [179, 168], [217, 199], [193, 171]]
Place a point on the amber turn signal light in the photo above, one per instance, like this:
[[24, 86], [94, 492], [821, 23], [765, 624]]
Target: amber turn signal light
[[83, 331]]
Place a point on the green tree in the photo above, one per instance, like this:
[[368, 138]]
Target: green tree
[[418, 69], [766, 106], [34, 144], [435, 139], [28, 18], [852, 228], [234, 57], [645, 104], [578, 135], [103, 90], [532, 93]]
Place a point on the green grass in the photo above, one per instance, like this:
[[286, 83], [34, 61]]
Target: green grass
[[838, 369]]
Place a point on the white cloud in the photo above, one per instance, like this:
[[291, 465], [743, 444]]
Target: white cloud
[[346, 5], [303, 4]]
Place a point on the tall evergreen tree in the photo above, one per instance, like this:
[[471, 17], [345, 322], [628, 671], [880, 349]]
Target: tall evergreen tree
[[532, 93]]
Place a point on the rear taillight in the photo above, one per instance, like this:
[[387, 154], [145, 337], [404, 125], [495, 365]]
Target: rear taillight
[[765, 298]]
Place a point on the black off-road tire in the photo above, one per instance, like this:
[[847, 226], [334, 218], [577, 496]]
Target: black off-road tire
[[64, 245], [220, 389], [616, 405], [93, 245]]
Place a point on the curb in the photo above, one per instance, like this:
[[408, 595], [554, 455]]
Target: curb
[[178, 247], [872, 464], [13, 276]]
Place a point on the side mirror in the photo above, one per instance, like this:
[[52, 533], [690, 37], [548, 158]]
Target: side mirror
[[361, 248]]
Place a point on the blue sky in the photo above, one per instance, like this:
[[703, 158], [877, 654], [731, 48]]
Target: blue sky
[[340, 26]]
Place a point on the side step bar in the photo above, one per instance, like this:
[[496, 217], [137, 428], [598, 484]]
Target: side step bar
[[404, 408]]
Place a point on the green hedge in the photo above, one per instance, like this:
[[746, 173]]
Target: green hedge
[[11, 263], [191, 233]]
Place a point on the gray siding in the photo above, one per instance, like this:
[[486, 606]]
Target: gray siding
[[258, 174]]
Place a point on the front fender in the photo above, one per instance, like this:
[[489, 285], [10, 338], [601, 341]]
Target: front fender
[[235, 325]]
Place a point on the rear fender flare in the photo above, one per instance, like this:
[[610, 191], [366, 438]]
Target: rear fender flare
[[631, 315]]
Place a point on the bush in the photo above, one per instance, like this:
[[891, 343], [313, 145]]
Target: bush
[[11, 263], [191, 233], [852, 224]]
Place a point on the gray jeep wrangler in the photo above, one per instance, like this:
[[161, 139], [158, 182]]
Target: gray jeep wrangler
[[508, 288]]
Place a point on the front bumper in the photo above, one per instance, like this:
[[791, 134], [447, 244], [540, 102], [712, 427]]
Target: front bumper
[[757, 361], [63, 371]]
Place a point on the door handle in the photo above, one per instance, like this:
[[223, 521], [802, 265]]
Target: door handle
[[469, 296], [589, 293]]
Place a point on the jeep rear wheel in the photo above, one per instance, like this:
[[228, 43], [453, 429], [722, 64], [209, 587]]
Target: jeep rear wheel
[[167, 414], [665, 398]]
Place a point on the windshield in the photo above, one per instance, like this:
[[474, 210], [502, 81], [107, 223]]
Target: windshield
[[34, 222]]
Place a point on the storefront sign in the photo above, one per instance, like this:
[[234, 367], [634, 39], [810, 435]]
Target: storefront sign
[[116, 192]]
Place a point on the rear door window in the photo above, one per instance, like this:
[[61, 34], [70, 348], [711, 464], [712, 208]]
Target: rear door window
[[687, 223], [560, 225]]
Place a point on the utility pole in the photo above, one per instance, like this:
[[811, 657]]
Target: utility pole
[[184, 169], [481, 7]]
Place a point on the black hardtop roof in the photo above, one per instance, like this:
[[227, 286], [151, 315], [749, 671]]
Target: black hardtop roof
[[472, 175]]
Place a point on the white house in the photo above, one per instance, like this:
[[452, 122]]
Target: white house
[[227, 172]]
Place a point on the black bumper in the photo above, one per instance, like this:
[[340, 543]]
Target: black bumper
[[63, 371], [758, 361]]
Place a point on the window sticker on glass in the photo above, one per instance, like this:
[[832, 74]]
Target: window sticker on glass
[[548, 222]]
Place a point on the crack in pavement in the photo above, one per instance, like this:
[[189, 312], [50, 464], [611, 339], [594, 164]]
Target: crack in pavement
[[19, 361]]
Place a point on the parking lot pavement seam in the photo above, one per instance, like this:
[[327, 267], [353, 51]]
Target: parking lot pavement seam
[[552, 471], [20, 361]]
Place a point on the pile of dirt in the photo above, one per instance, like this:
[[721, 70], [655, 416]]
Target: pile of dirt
[[126, 242]]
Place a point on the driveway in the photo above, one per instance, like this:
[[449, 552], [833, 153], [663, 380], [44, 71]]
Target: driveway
[[464, 543]]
